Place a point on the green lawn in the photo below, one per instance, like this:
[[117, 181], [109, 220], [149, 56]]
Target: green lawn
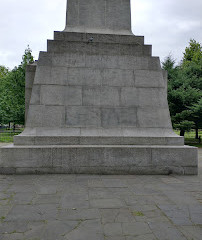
[[6, 136], [190, 134], [190, 138]]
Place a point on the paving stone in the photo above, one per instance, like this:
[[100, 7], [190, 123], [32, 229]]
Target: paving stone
[[179, 197], [47, 198], [32, 212], [166, 231], [4, 210], [171, 180], [5, 202], [37, 228], [22, 187], [191, 232], [144, 208], [196, 218], [124, 215], [108, 215], [56, 230], [46, 189], [139, 200], [136, 228], [153, 213], [121, 193], [74, 200], [195, 212], [13, 236], [78, 214], [106, 203], [98, 193], [112, 229], [24, 198], [115, 238], [89, 229], [95, 183], [140, 190], [157, 219], [13, 227], [115, 183], [4, 195], [143, 237], [178, 215]]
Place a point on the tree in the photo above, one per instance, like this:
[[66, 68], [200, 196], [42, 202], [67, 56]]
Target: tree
[[184, 87], [169, 66], [3, 71], [196, 116], [193, 53], [26, 58], [12, 98], [192, 67]]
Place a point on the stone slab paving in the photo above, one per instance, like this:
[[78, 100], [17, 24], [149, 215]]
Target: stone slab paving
[[93, 207]]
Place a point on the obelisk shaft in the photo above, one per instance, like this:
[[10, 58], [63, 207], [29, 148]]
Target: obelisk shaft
[[99, 16]]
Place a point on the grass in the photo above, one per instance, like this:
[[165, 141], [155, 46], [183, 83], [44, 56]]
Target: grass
[[6, 136], [139, 214], [190, 138], [190, 134]]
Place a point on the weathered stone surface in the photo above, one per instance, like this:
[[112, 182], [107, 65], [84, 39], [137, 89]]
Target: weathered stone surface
[[97, 37], [136, 228], [96, 102], [88, 138], [101, 48], [99, 16], [102, 159]]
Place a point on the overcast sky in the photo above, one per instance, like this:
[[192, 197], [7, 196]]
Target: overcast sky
[[167, 24]]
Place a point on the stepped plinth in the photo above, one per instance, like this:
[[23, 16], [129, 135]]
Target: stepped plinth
[[96, 102]]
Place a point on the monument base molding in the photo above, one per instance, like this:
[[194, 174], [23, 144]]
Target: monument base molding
[[98, 159]]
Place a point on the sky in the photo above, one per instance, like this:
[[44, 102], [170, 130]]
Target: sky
[[167, 25]]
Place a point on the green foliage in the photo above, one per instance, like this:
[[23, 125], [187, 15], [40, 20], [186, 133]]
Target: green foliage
[[193, 53], [183, 126], [197, 110], [169, 66], [27, 58], [12, 92], [185, 88], [12, 99], [3, 71]]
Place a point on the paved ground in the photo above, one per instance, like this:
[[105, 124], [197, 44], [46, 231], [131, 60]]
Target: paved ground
[[79, 207]]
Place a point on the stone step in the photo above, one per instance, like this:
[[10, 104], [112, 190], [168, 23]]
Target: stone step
[[97, 117], [98, 38], [97, 77], [99, 96], [99, 48], [99, 61], [96, 140], [98, 159]]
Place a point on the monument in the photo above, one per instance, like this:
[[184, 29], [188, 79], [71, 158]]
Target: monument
[[96, 102]]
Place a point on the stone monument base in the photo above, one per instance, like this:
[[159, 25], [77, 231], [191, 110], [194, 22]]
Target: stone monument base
[[97, 104], [98, 159]]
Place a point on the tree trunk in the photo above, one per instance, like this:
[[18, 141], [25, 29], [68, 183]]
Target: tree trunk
[[196, 132], [182, 132]]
